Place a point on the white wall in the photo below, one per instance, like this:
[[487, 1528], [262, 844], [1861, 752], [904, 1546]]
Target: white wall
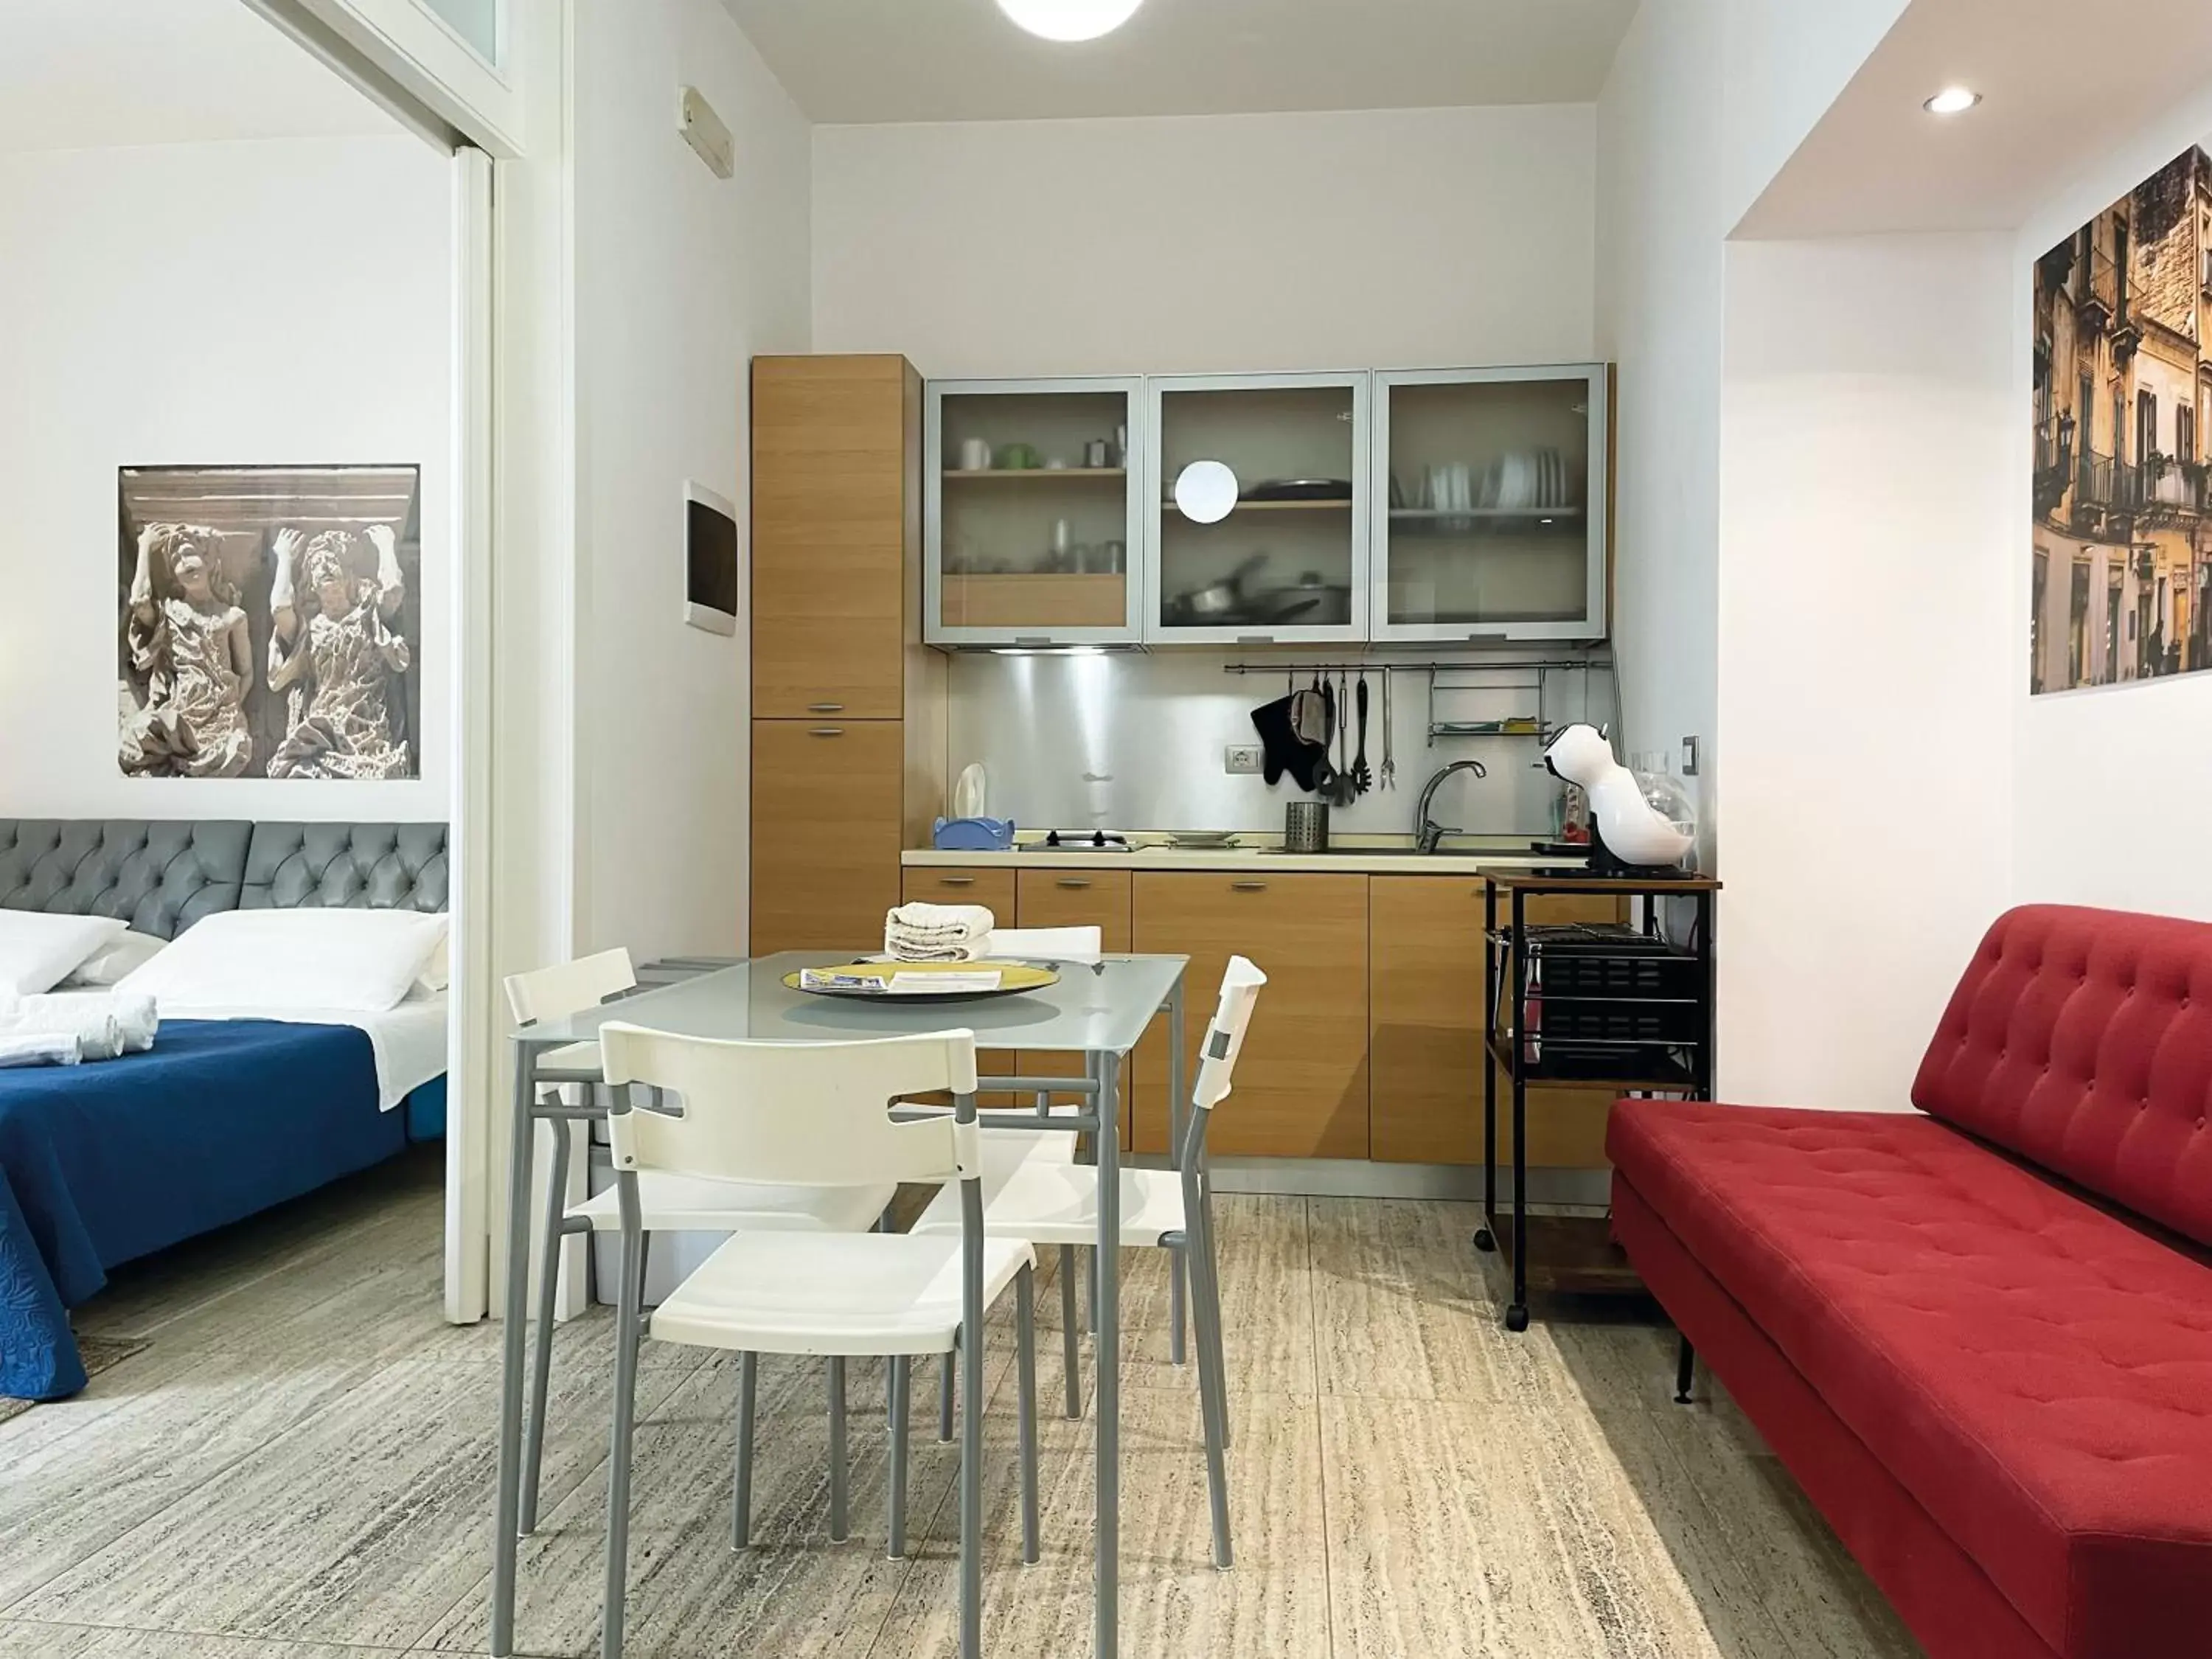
[[264, 302], [1787, 62], [1867, 657], [1209, 243], [2113, 792], [681, 279]]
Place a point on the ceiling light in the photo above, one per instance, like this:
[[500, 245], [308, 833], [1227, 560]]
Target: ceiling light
[[1953, 101], [1070, 20]]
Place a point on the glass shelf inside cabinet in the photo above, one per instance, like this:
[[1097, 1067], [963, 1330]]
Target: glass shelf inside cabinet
[[1034, 512], [1489, 510], [1282, 555]]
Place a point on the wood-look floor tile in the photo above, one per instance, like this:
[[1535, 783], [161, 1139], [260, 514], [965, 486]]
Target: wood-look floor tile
[[1173, 1599], [1266, 1303], [363, 1524], [29, 1641], [1403, 1309], [794, 1593]]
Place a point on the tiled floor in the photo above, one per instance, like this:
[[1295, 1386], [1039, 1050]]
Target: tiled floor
[[299, 1467]]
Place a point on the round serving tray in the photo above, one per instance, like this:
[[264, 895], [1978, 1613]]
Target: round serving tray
[[1014, 978]]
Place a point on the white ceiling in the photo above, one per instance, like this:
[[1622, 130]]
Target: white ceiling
[[2064, 84], [84, 74], [962, 60]]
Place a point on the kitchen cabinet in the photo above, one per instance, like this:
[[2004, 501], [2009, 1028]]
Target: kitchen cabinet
[[1488, 504], [1425, 944], [847, 735], [1081, 898], [828, 825], [1033, 512], [1287, 562], [1302, 1077], [994, 890]]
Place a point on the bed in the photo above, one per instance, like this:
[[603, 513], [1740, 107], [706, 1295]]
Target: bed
[[232, 1111]]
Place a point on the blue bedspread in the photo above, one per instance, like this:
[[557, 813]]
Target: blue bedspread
[[102, 1163]]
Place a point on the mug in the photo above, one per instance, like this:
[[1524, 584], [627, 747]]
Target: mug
[[975, 454]]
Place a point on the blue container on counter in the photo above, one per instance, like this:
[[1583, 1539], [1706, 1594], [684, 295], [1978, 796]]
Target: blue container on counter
[[973, 834]]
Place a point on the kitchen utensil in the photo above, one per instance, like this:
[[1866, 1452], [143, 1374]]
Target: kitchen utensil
[[1389, 773], [1206, 492], [1309, 714], [1113, 558], [975, 454], [970, 791], [1095, 452], [1281, 747], [1305, 827], [1219, 600], [973, 834], [1362, 779], [1324, 783], [1201, 840], [867, 980], [1342, 789]]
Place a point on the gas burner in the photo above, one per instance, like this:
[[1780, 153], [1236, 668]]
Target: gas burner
[[1084, 841]]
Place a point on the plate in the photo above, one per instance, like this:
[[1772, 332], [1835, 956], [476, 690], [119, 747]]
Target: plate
[[1014, 978], [1195, 839]]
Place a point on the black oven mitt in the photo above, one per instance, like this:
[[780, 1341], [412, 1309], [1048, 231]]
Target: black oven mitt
[[1282, 750]]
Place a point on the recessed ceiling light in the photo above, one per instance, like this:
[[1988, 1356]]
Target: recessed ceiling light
[[1953, 101], [1070, 20]]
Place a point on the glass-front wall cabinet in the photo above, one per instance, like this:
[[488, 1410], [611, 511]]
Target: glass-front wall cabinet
[[1257, 509], [1489, 508], [1033, 512]]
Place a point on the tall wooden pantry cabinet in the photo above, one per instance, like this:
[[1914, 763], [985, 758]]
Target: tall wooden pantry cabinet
[[847, 704]]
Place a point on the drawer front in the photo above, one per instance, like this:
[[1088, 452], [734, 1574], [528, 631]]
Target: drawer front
[[827, 798], [1424, 941], [994, 890], [1301, 1087], [1080, 898]]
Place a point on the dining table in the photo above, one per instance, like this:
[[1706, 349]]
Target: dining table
[[1095, 1011]]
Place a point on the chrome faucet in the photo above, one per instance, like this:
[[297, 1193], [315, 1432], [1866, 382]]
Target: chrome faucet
[[1427, 832]]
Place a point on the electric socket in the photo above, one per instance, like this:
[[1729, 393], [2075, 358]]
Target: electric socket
[[1241, 759], [1689, 758]]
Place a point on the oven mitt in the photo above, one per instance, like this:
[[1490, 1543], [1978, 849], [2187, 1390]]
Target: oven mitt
[[1282, 750]]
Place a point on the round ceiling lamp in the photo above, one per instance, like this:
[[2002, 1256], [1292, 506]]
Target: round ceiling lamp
[[1953, 101], [1070, 20]]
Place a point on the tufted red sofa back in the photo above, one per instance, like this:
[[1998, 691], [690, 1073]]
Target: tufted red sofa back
[[2083, 1041]]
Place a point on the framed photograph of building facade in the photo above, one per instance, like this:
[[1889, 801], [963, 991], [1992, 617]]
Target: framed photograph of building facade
[[2123, 574], [268, 621]]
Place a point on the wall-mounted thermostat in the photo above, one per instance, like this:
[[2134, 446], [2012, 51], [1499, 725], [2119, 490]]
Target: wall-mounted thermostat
[[703, 131], [710, 559]]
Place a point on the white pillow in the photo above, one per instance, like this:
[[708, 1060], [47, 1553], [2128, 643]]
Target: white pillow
[[354, 961], [438, 972], [39, 950], [126, 954]]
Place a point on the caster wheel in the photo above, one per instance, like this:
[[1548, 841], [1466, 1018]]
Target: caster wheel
[[1483, 1241], [1516, 1318]]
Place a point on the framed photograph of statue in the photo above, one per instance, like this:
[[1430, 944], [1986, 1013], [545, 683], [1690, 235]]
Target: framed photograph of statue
[[269, 621]]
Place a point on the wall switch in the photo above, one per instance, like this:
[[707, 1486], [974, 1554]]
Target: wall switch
[[1689, 758], [1241, 759]]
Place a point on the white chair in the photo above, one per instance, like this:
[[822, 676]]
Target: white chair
[[811, 1113], [1044, 1203], [667, 1203]]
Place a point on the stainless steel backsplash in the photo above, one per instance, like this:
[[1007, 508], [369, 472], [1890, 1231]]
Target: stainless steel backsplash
[[1130, 740]]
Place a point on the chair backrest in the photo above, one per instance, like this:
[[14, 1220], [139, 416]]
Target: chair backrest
[[792, 1113], [1224, 1035], [570, 987], [1065, 944]]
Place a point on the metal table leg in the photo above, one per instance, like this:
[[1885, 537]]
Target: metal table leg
[[1178, 1264], [1107, 1071], [507, 1519]]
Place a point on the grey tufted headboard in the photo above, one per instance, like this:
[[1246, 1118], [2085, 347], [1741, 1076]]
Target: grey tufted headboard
[[359, 866], [162, 875]]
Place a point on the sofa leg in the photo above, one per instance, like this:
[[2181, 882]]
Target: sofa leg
[[1685, 1371]]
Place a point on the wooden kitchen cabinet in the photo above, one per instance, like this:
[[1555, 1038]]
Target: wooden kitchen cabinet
[[1425, 942], [1301, 1079], [828, 821], [836, 520], [937, 884], [1080, 898]]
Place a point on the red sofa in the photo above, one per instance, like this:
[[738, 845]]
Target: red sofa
[[1980, 1334]]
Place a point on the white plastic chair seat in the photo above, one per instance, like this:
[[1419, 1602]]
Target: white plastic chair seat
[[676, 1203], [832, 1293], [1058, 1204], [570, 1057]]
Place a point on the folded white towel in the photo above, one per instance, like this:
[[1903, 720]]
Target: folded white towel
[[39, 1049], [107, 1027], [937, 932]]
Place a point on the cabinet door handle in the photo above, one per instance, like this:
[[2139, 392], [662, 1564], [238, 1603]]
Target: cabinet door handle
[[1248, 886], [1070, 881], [956, 881], [825, 707], [825, 731]]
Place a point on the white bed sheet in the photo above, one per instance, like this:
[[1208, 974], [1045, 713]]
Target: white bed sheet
[[409, 1041]]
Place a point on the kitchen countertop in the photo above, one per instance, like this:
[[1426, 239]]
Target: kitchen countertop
[[1343, 860]]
